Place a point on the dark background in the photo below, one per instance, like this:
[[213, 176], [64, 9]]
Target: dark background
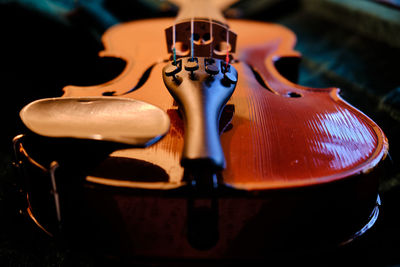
[[45, 45]]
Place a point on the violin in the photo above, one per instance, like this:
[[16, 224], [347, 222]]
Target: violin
[[250, 161]]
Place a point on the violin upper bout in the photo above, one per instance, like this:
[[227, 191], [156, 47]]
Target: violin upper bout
[[132, 43]]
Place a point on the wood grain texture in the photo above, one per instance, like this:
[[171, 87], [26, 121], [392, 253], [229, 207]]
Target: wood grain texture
[[275, 141]]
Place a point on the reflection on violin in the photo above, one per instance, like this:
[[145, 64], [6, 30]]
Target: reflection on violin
[[251, 161]]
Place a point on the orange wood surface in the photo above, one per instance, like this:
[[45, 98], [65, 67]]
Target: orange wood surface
[[275, 141]]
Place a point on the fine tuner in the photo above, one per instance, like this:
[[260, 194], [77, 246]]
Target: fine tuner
[[211, 66]]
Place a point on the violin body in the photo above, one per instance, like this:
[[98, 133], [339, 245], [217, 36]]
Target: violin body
[[277, 141], [299, 161]]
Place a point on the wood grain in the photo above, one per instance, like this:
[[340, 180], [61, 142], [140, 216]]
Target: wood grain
[[275, 141]]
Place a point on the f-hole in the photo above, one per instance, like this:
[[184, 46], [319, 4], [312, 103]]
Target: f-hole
[[260, 80], [142, 80]]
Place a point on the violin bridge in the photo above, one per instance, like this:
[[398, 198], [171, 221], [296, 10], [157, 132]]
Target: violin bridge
[[220, 40]]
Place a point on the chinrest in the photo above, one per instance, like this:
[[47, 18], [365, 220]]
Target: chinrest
[[121, 120]]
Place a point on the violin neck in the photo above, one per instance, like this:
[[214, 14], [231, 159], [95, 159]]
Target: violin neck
[[202, 9]]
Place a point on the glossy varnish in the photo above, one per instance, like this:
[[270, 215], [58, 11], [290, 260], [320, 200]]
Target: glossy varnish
[[281, 135], [304, 160]]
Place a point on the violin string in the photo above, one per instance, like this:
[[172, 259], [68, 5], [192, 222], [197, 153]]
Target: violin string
[[211, 40], [227, 47], [191, 38], [174, 42]]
